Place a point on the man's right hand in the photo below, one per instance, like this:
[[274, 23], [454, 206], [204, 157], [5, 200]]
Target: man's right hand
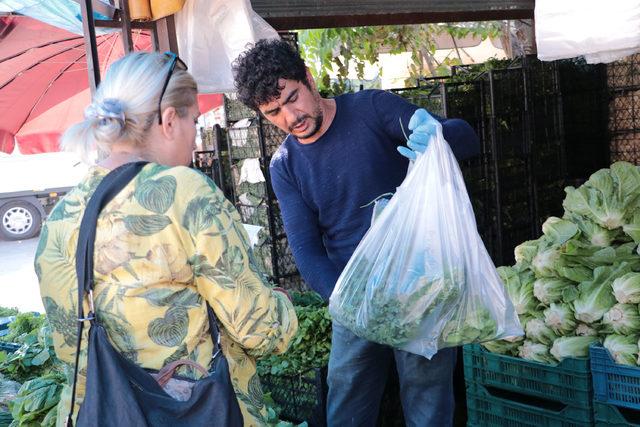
[[424, 127]]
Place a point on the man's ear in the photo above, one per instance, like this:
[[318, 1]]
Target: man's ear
[[169, 116], [310, 80]]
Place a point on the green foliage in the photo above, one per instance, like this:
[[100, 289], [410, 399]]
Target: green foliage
[[475, 324], [374, 310], [311, 346], [336, 50], [565, 347], [35, 357], [609, 198], [24, 324], [586, 267], [36, 402], [623, 348]]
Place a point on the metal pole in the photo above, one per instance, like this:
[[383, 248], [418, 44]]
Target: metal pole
[[445, 101], [217, 132], [530, 147], [496, 170], [154, 37], [89, 29], [125, 20]]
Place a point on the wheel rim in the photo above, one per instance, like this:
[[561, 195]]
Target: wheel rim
[[17, 220]]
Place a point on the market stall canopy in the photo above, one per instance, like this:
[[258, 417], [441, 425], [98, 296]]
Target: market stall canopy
[[44, 84], [65, 14], [299, 14], [572, 28]]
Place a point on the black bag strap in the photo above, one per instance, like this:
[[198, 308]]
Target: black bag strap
[[108, 188]]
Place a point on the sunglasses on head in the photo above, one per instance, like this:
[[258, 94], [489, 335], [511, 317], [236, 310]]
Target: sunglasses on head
[[174, 60]]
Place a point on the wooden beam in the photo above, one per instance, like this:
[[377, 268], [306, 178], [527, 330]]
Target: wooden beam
[[300, 14], [166, 33], [112, 23], [89, 30]]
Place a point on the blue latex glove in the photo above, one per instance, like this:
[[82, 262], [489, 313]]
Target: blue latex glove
[[423, 127]]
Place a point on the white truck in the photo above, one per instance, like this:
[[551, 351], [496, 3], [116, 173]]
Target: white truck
[[29, 187]]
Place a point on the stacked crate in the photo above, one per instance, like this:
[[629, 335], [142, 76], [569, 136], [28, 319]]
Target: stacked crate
[[508, 391], [616, 390], [252, 141], [623, 78], [516, 110]]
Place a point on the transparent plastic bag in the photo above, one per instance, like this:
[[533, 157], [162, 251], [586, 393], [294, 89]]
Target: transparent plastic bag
[[421, 278], [211, 35]]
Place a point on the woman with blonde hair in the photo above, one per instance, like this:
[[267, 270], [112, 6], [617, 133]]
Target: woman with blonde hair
[[167, 247]]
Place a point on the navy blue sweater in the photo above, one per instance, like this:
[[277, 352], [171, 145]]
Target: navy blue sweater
[[322, 186]]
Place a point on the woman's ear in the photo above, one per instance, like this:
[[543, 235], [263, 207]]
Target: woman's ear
[[169, 116]]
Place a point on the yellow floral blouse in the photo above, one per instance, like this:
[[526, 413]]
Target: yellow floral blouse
[[166, 245]]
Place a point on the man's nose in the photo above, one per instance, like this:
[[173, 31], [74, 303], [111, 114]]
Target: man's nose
[[289, 114]]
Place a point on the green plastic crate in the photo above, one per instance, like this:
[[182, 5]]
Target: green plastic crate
[[489, 407], [612, 383], [568, 382], [5, 419], [607, 415]]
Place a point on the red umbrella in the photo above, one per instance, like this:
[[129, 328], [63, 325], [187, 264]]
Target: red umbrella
[[44, 84]]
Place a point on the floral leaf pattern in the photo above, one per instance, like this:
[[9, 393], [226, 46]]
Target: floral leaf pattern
[[170, 330], [166, 245], [156, 195], [146, 225], [200, 214]]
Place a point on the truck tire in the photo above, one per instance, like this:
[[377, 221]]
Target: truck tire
[[19, 220]]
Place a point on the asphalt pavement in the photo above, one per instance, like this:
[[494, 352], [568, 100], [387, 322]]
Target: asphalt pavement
[[18, 281]]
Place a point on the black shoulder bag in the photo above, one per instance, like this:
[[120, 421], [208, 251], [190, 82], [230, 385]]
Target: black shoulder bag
[[119, 392]]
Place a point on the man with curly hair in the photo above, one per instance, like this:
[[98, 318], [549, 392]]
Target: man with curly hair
[[341, 153]]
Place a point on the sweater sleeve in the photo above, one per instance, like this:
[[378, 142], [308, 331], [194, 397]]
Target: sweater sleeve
[[304, 234], [394, 112], [259, 319]]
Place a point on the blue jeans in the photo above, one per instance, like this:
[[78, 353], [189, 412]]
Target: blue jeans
[[358, 373]]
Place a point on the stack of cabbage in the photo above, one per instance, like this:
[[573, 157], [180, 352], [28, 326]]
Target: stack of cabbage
[[580, 282]]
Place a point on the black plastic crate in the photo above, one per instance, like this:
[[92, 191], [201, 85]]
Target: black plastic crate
[[584, 116], [272, 136], [212, 166], [623, 79], [516, 112], [254, 138], [274, 256], [236, 110], [626, 147], [428, 96], [244, 140], [624, 73], [624, 109], [301, 397], [293, 282]]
